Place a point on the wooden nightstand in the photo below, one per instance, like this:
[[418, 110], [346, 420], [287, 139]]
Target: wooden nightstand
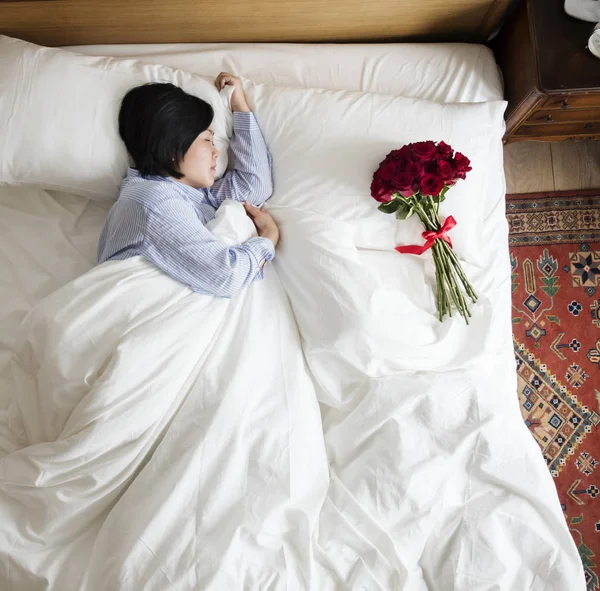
[[551, 80]]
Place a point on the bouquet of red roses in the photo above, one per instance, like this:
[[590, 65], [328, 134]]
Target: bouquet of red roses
[[415, 179]]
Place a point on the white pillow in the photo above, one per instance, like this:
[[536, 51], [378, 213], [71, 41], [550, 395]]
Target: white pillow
[[58, 116], [326, 144]]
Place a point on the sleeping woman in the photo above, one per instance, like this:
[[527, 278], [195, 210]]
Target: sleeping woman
[[166, 200]]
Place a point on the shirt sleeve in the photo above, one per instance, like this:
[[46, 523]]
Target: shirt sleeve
[[177, 242], [251, 177]]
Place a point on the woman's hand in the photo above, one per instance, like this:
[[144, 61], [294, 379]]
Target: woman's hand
[[238, 99], [265, 224]]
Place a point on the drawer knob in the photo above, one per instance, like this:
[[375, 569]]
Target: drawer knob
[[548, 119], [565, 104], [588, 126]]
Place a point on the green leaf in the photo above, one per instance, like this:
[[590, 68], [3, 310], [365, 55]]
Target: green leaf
[[578, 519], [390, 206], [404, 213], [554, 319], [516, 320]]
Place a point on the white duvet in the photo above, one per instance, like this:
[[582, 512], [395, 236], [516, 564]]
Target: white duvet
[[160, 439]]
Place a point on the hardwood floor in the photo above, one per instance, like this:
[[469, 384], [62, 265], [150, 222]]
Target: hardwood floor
[[532, 167]]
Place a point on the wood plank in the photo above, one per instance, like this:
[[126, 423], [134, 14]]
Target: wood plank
[[79, 22], [576, 164], [528, 167]]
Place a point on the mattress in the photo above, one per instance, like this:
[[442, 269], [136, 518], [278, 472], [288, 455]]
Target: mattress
[[375, 520]]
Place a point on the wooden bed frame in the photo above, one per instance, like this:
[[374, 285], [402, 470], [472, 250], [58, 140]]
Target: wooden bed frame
[[83, 22]]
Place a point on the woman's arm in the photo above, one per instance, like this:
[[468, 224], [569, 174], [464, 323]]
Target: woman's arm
[[251, 178], [178, 243]]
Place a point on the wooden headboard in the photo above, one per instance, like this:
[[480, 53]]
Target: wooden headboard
[[81, 22]]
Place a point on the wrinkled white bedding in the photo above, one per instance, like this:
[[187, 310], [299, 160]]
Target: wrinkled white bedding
[[123, 363], [161, 439]]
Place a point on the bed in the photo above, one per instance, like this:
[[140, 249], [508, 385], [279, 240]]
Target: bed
[[321, 431]]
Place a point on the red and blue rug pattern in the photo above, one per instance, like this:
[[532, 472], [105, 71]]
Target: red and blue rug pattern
[[555, 258]]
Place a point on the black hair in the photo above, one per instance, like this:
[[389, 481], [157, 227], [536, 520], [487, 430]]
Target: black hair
[[158, 123]]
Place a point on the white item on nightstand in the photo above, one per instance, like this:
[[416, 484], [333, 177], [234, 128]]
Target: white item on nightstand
[[585, 10]]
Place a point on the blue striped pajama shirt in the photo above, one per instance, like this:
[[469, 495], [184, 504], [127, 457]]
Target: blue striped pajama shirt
[[164, 220]]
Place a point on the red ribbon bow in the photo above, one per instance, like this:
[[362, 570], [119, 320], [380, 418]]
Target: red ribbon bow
[[430, 238]]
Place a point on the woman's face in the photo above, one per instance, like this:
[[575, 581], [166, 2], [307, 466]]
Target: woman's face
[[200, 162]]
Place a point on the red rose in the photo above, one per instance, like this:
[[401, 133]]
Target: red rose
[[380, 191], [440, 169], [414, 169], [400, 157], [386, 170], [430, 185], [403, 183], [423, 151], [444, 151], [445, 171], [461, 165]]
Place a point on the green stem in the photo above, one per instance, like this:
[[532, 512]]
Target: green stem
[[449, 272], [463, 301], [443, 296], [426, 212], [439, 298], [443, 247], [457, 295], [468, 287], [444, 280], [430, 221], [456, 274]]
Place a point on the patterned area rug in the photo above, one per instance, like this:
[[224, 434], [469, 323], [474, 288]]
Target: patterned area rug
[[555, 257]]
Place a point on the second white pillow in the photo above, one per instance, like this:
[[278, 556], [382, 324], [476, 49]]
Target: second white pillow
[[326, 145]]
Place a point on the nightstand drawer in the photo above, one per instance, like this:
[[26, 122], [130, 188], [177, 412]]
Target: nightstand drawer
[[583, 128], [578, 101], [551, 116]]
